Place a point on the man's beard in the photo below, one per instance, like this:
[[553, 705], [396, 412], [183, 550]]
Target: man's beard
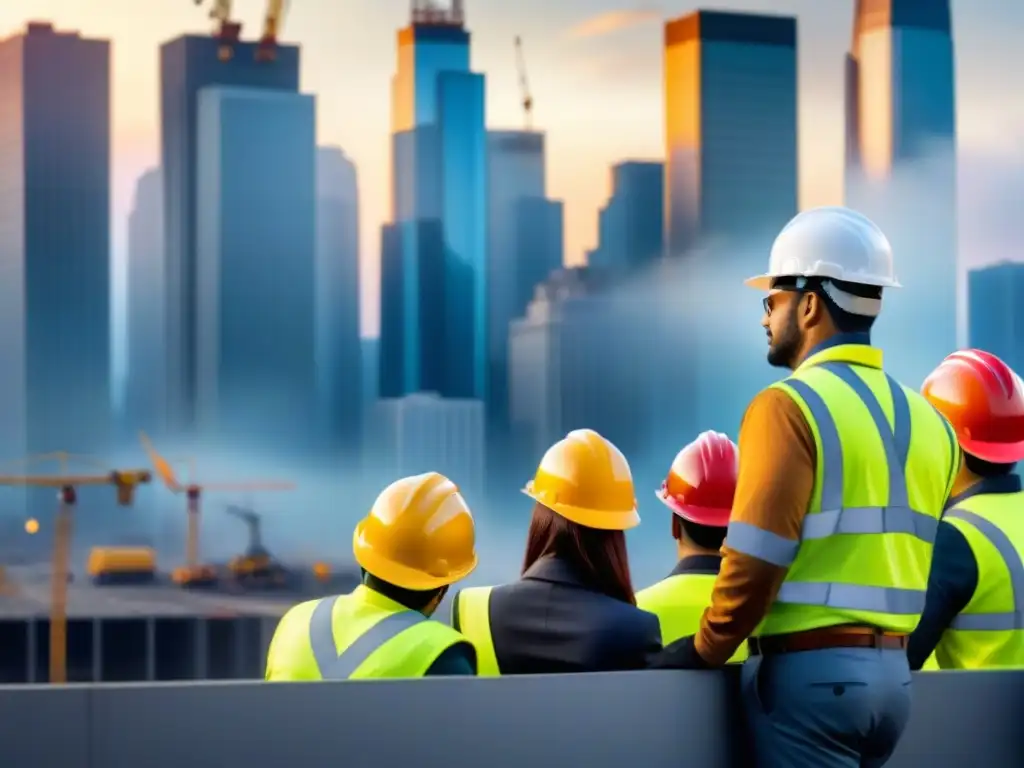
[[783, 349]]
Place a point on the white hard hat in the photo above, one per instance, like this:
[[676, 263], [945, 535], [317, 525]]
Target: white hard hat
[[835, 243]]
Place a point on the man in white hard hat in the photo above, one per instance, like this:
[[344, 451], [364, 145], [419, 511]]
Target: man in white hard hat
[[835, 513]]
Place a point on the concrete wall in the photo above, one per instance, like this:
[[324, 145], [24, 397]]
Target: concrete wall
[[649, 719]]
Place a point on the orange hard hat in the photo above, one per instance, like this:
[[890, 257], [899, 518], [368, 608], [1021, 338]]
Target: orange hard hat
[[586, 479], [983, 399], [419, 535], [701, 483]]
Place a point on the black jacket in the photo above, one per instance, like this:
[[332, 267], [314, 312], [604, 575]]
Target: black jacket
[[550, 622]]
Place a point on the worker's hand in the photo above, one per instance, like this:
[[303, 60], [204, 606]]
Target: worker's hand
[[682, 654]]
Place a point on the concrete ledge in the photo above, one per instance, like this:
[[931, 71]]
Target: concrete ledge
[[618, 720]]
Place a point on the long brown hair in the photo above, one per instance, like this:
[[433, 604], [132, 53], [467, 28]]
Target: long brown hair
[[598, 557]]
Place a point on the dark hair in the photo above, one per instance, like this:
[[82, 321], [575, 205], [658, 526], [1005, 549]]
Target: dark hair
[[844, 321], [415, 599], [983, 468], [598, 557], [704, 536]]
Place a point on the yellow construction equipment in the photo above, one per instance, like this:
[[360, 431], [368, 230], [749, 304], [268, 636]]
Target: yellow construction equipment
[[112, 565], [256, 567], [124, 481], [267, 49], [524, 86], [227, 31], [194, 573]]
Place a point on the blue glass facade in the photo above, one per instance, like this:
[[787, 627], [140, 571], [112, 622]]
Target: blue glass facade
[[188, 64], [463, 139], [540, 249], [440, 176], [256, 248], [996, 312], [630, 226], [55, 391], [412, 356], [145, 407], [339, 353], [901, 137]]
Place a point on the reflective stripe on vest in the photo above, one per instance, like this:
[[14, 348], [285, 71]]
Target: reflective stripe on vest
[[1004, 621], [474, 621], [836, 519], [335, 666]]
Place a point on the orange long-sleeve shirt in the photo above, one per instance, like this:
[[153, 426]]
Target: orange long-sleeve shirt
[[776, 480]]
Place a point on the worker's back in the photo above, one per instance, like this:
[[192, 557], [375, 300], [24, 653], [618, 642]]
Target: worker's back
[[550, 622], [680, 600], [987, 633], [362, 635], [886, 465]]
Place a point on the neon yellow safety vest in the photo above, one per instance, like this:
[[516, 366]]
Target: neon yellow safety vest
[[886, 461], [359, 636], [679, 602], [471, 613], [989, 632]]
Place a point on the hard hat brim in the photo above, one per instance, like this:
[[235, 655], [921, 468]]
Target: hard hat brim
[[402, 575], [994, 453], [599, 519], [712, 517], [764, 282]]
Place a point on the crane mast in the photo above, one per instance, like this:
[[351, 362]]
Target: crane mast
[[524, 86], [227, 31], [267, 50]]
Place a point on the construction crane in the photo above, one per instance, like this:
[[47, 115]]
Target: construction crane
[[227, 31], [267, 49], [524, 85], [124, 481], [195, 574], [256, 566]]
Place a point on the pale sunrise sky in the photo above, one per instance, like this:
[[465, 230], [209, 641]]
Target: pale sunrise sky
[[595, 69]]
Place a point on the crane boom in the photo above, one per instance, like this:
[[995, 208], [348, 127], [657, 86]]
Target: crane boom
[[524, 85]]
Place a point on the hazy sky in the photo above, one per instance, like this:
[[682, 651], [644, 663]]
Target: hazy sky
[[595, 69]]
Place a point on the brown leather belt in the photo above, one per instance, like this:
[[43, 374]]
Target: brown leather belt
[[828, 637]]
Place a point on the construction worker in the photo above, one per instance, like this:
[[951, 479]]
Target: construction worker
[[574, 609], [416, 542], [974, 612], [699, 490], [842, 480]]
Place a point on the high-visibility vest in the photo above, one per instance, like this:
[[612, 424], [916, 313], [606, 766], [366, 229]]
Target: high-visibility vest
[[471, 612], [989, 632], [362, 635], [679, 602], [886, 461]]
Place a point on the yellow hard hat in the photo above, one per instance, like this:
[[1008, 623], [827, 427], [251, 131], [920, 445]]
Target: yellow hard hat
[[419, 534], [587, 480]]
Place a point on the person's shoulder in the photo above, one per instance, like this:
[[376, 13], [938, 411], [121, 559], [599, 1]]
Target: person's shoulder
[[623, 619]]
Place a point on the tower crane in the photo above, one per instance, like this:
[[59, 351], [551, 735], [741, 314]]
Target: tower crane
[[524, 85], [195, 574], [227, 31], [124, 481], [267, 49]]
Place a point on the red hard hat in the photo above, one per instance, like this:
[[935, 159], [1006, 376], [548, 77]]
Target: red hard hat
[[983, 399], [702, 480]]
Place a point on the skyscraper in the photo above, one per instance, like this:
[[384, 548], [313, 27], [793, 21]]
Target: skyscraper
[[339, 353], [427, 433], [525, 236], [731, 128], [256, 249], [731, 185], [55, 240], [440, 174], [996, 312], [188, 64], [630, 226], [901, 171], [145, 407]]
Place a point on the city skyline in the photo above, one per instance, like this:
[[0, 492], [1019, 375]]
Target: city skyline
[[598, 61]]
